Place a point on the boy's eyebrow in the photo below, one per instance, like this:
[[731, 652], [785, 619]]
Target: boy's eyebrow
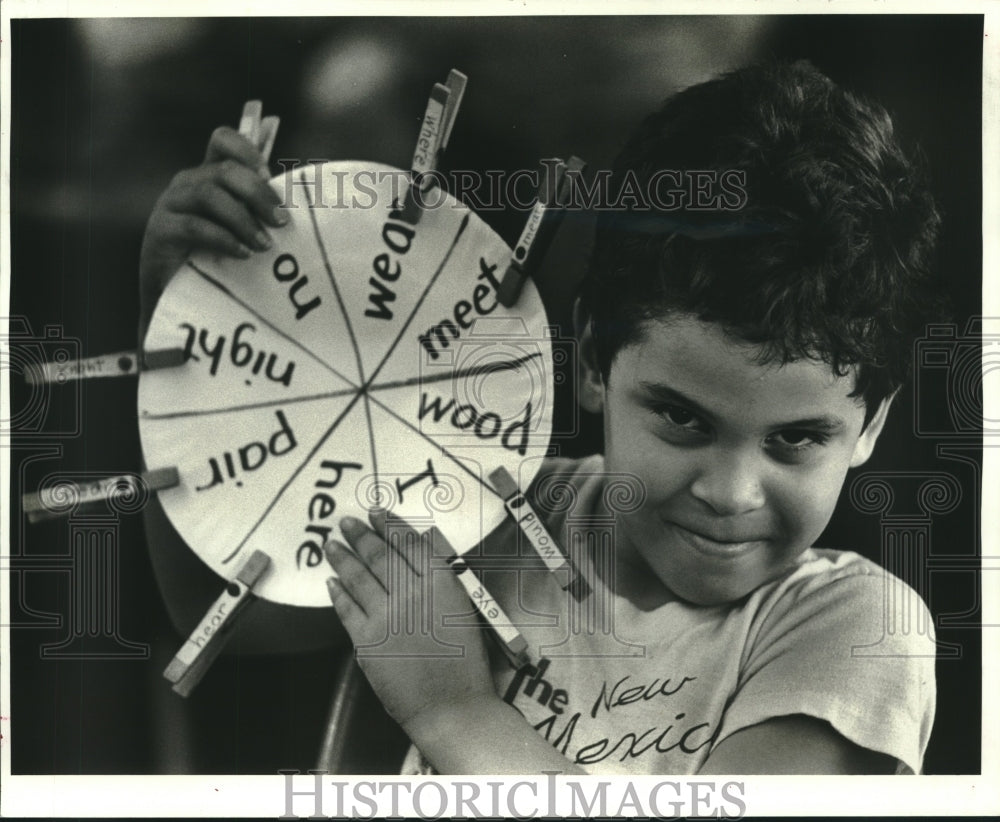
[[826, 423]]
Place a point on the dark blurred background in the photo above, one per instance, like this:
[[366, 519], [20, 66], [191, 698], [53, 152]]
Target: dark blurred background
[[104, 112]]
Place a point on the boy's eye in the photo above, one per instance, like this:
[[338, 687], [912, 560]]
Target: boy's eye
[[797, 440], [680, 417]]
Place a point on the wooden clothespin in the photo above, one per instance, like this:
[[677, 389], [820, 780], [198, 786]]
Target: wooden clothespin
[[206, 642], [435, 132], [261, 132], [122, 364], [537, 534], [48, 503], [513, 645], [542, 223]]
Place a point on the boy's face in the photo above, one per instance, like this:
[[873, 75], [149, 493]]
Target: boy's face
[[742, 463]]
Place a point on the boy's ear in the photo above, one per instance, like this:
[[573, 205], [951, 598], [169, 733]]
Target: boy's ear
[[866, 442], [589, 383]]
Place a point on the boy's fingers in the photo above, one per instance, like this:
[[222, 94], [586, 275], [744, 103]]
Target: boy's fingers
[[369, 547], [350, 612], [195, 231], [399, 535], [215, 203], [354, 575], [251, 189], [228, 144], [191, 187]]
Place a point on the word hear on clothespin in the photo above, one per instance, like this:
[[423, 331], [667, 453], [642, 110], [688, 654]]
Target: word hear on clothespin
[[537, 534], [435, 132], [511, 642], [261, 132], [206, 642], [538, 232], [59, 499], [122, 364]]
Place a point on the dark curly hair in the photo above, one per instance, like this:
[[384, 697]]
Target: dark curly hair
[[828, 258]]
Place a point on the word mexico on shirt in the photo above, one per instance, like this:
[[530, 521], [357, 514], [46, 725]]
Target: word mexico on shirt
[[623, 719]]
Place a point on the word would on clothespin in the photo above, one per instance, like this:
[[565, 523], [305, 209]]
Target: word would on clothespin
[[435, 132], [261, 132], [513, 645], [537, 534], [206, 642], [538, 232], [62, 497], [122, 364]]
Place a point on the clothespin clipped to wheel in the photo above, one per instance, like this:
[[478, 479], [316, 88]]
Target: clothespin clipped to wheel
[[261, 132], [537, 534], [207, 640], [538, 232], [513, 645], [122, 364], [49, 502], [435, 131]]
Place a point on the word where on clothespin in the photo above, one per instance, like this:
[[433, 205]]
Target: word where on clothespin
[[206, 642], [435, 132], [60, 498], [537, 534], [542, 223], [513, 645], [261, 132], [122, 364]]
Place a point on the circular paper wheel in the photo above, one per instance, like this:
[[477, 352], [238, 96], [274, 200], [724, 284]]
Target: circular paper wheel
[[363, 361]]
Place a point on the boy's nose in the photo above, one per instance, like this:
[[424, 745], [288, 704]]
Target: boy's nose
[[730, 483]]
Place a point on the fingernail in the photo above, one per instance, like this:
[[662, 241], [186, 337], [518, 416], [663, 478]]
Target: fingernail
[[243, 251], [262, 240], [350, 524], [332, 586], [378, 518], [280, 216]]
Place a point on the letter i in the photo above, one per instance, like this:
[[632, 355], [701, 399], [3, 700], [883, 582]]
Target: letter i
[[260, 362]]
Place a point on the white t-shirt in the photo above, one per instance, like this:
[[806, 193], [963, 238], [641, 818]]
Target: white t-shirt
[[620, 690]]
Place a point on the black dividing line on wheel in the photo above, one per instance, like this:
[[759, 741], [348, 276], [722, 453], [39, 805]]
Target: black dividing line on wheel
[[371, 446], [420, 301], [209, 278], [462, 373], [440, 447], [293, 477], [333, 284], [205, 412]]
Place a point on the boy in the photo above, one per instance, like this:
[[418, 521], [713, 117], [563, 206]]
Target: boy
[[743, 361]]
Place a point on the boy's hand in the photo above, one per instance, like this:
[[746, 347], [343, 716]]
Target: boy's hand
[[422, 672], [223, 205]]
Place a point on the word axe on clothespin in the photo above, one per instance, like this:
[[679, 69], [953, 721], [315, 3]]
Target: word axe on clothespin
[[206, 642], [435, 131], [49, 503], [537, 534], [513, 645], [538, 232], [261, 132]]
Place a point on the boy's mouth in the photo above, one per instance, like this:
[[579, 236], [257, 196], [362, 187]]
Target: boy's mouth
[[719, 546]]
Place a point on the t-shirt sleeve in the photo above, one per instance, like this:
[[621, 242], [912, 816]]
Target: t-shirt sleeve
[[856, 651]]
